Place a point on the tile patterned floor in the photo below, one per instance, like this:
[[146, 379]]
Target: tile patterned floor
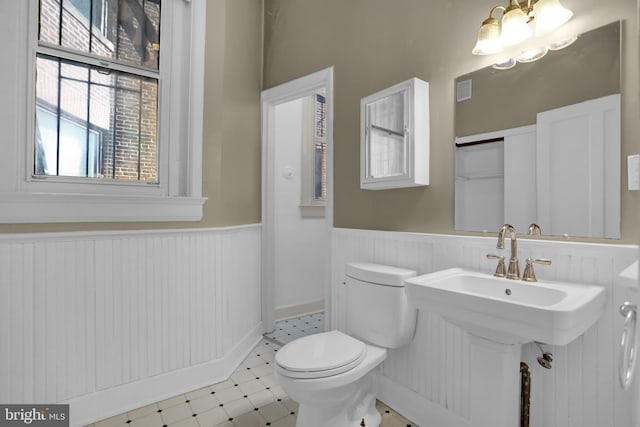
[[289, 329], [251, 397]]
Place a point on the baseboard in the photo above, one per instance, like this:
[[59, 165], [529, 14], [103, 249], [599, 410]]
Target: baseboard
[[295, 310], [416, 408], [103, 404]]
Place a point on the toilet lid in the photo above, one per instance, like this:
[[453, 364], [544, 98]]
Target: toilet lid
[[320, 355]]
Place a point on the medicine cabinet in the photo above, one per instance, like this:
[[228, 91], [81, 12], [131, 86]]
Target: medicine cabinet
[[394, 137]]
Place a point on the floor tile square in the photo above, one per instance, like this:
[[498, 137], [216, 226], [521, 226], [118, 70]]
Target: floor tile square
[[151, 420], [250, 419], [229, 395], [174, 401], [176, 413], [238, 407], [187, 422], [278, 391], [285, 422], [252, 361], [262, 370], [250, 387], [241, 376], [212, 417], [141, 412], [221, 386], [262, 398], [204, 403], [268, 357], [291, 405], [197, 393], [274, 411], [269, 380]]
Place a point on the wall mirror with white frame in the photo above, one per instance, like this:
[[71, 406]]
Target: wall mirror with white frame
[[539, 142]]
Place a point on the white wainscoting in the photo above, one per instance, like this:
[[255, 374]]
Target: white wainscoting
[[428, 381], [111, 321]]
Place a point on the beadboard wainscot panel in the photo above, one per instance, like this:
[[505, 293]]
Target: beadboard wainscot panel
[[428, 380], [111, 321]]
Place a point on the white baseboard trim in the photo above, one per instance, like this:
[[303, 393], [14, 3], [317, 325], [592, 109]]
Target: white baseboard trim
[[103, 404], [289, 311], [411, 405]]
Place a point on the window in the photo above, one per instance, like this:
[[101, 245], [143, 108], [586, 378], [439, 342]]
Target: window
[[65, 147], [320, 150], [109, 129], [118, 108], [314, 156]]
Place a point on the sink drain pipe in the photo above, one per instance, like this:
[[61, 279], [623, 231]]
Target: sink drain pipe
[[525, 394]]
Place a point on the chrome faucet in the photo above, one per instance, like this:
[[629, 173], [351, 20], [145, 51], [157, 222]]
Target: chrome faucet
[[513, 272], [534, 230]]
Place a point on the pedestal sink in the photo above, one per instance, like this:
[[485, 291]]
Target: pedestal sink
[[501, 315], [509, 311]]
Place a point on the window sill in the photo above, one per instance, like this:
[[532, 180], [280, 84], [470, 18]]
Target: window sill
[[50, 208], [311, 211]]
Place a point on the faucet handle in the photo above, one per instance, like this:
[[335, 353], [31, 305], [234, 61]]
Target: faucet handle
[[529, 274], [534, 230], [501, 270]]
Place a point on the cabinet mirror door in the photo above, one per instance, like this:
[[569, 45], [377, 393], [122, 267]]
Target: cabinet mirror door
[[386, 144]]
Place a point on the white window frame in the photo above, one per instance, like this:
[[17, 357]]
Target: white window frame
[[178, 195], [309, 205]]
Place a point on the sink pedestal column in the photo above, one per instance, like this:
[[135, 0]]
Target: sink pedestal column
[[495, 383]]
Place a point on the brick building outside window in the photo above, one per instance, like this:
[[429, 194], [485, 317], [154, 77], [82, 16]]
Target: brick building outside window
[[97, 71]]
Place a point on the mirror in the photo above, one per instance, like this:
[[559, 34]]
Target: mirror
[[384, 121], [504, 169]]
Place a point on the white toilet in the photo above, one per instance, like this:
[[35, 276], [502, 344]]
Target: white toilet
[[332, 375]]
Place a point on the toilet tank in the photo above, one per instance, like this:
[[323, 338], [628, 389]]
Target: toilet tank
[[377, 308]]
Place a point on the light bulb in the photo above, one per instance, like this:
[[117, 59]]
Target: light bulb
[[549, 15], [488, 38]]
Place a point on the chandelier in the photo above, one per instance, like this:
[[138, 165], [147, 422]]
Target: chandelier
[[519, 22]]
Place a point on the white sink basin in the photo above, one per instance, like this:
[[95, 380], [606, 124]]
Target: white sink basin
[[509, 311]]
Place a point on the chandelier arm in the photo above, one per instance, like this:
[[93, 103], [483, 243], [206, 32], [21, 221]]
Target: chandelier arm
[[494, 8]]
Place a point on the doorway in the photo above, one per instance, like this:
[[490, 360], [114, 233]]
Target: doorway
[[296, 224]]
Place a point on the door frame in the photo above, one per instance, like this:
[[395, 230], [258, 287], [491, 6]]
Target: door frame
[[270, 98]]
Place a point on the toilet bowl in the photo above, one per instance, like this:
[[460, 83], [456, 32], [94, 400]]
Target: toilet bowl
[[333, 375], [338, 388]]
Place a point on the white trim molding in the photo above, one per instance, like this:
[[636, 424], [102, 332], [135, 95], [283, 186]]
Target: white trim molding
[[309, 307], [304, 86]]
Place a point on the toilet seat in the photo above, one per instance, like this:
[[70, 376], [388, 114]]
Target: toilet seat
[[319, 356]]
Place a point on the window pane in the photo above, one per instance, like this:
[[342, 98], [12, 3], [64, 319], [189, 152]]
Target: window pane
[[94, 123], [320, 150], [387, 144], [321, 119], [127, 30], [320, 172]]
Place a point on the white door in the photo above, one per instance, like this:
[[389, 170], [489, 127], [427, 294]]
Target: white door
[[576, 145]]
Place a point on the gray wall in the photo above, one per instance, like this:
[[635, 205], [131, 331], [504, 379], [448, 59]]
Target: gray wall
[[374, 44], [504, 99]]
